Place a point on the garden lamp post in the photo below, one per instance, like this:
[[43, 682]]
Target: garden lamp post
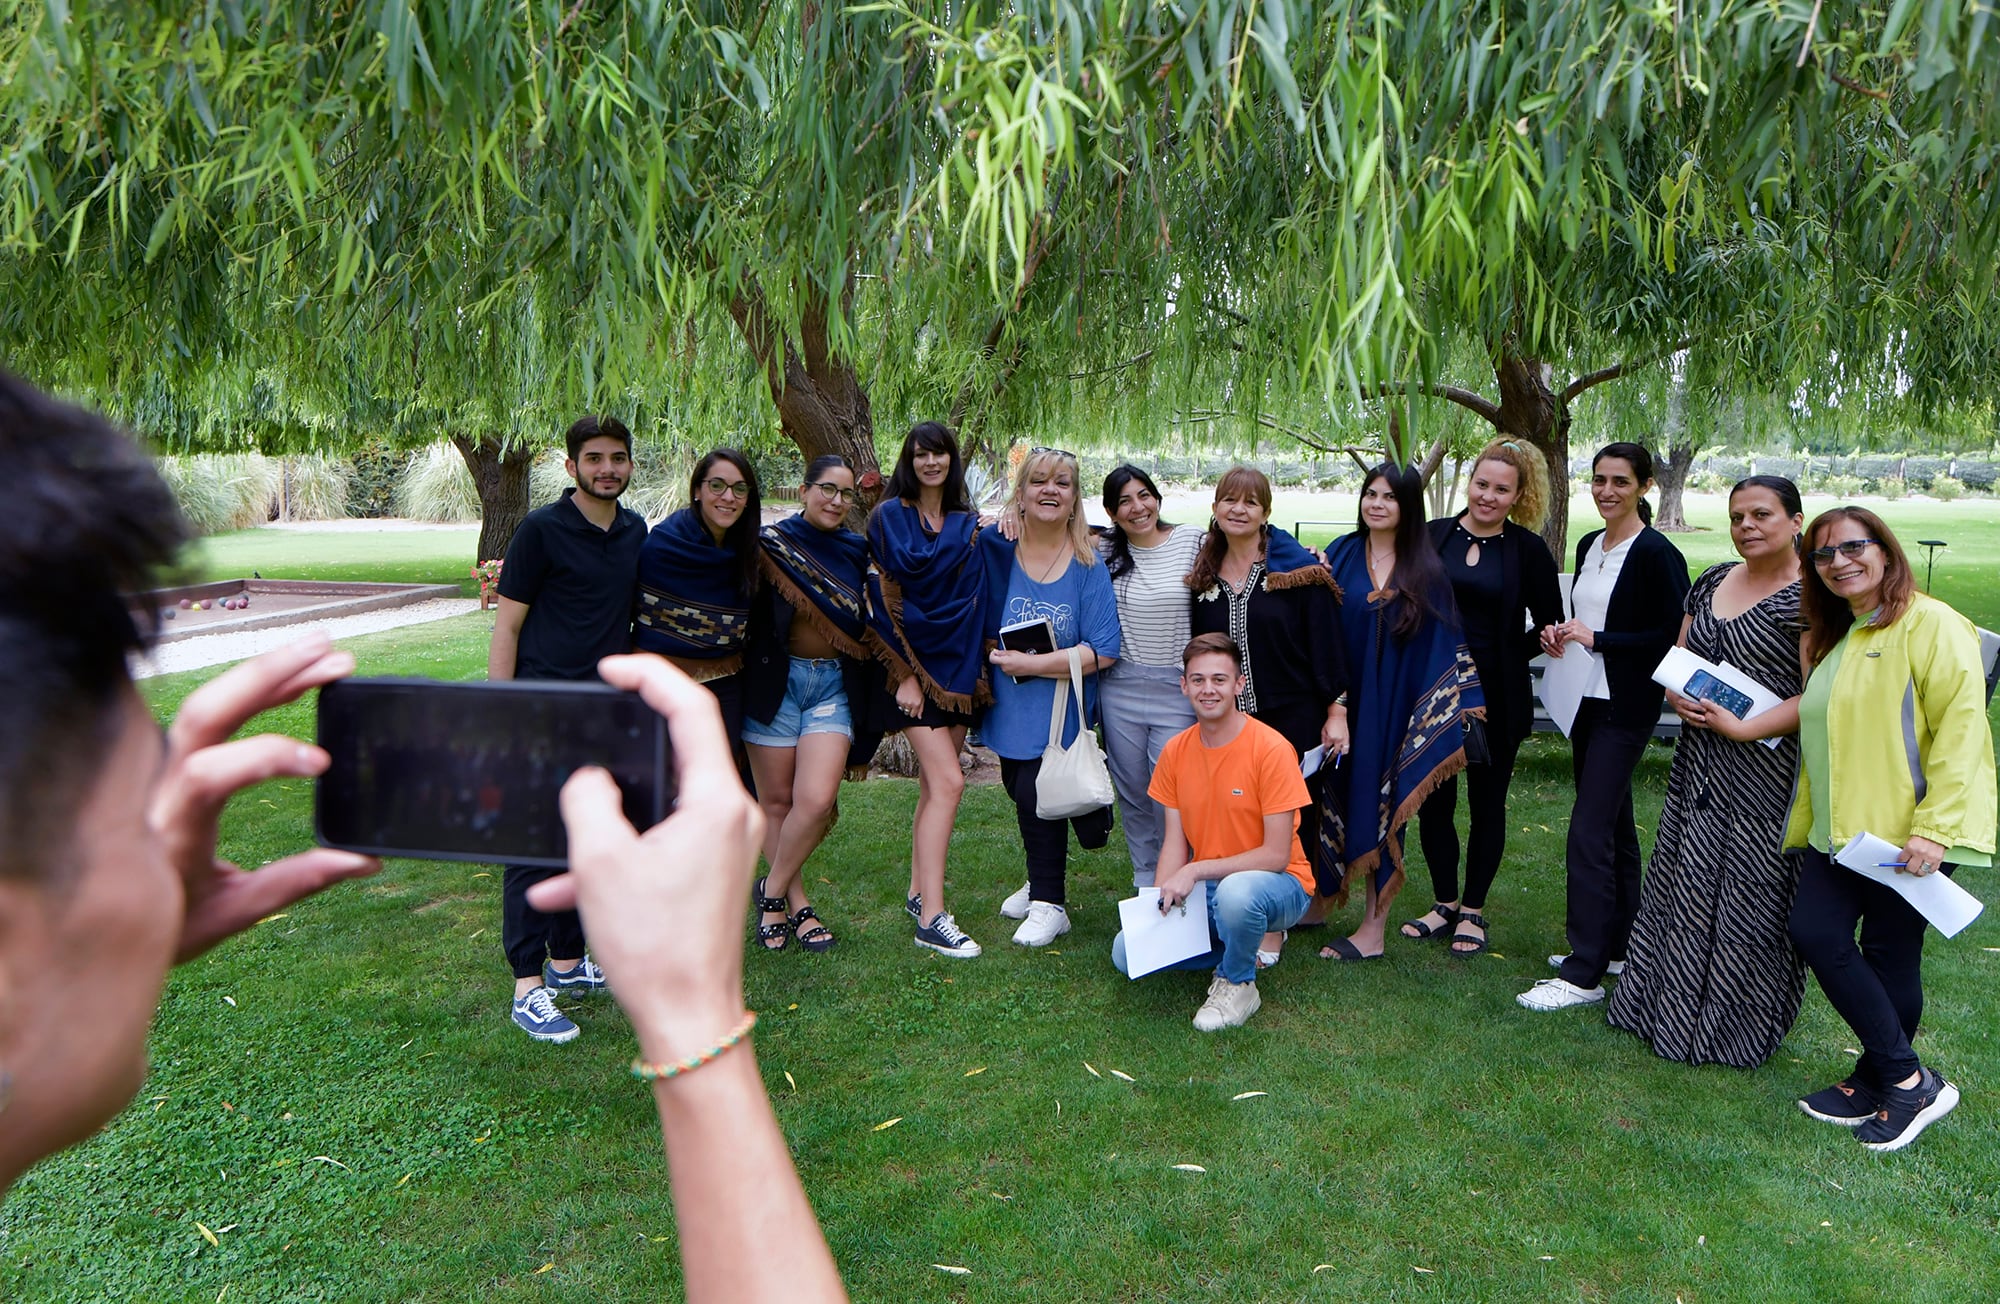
[[1930, 557]]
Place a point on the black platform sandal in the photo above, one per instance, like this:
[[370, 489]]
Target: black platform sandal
[[1450, 915], [815, 939], [1477, 944], [781, 931]]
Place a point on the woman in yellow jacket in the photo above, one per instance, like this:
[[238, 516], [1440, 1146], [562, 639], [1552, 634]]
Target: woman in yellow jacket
[[1894, 742]]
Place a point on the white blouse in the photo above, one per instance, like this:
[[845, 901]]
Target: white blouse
[[1590, 599]]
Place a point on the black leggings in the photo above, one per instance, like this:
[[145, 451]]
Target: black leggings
[[1603, 846], [1486, 835], [1878, 986], [529, 935], [1046, 842]]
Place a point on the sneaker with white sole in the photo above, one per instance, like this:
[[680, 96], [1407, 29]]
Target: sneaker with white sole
[[1616, 969], [1902, 1113], [1017, 903], [536, 1014], [1229, 1005], [943, 935], [913, 906], [1045, 923], [1849, 1103], [1555, 994], [586, 979]]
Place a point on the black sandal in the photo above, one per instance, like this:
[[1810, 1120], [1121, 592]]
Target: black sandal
[[1478, 921], [1450, 914], [815, 939], [766, 933]]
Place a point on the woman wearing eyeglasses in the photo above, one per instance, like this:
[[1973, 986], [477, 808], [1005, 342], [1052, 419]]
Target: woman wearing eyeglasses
[[698, 571], [806, 657], [1710, 975], [926, 610], [1895, 743], [1627, 600], [1050, 573]]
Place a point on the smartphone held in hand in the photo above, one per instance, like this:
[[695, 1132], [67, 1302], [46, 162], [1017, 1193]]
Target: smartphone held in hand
[[472, 771]]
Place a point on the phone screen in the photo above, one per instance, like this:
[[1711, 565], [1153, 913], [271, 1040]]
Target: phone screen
[[1706, 687], [471, 771]]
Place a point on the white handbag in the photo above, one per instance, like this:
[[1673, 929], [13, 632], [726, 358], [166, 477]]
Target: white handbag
[[1074, 779]]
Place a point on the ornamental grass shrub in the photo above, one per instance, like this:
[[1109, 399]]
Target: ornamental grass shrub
[[435, 486], [219, 492], [318, 487]]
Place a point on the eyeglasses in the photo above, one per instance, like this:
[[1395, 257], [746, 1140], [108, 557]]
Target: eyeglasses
[[1059, 452], [727, 488], [1850, 548], [834, 491]]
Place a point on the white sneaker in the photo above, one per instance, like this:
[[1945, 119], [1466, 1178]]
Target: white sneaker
[[1016, 904], [1615, 969], [1045, 923], [1229, 1005], [1555, 994]]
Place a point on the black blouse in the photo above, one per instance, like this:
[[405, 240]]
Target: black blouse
[[1497, 611], [1293, 645]]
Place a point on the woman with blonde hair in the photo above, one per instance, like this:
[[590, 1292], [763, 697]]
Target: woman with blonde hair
[[1503, 580], [1051, 572]]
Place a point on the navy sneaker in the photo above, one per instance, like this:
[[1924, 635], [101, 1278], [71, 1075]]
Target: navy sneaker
[[913, 906], [1903, 1113], [584, 980], [1844, 1104], [944, 936], [536, 1014]]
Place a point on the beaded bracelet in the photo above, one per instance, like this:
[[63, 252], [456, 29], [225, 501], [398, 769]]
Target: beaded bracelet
[[662, 1072]]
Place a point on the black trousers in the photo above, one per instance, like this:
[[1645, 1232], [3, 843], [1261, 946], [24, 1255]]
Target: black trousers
[[1878, 986], [1486, 787], [529, 935], [1603, 850], [1046, 842]]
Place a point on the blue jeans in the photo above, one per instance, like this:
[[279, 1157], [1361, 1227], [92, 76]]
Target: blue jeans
[[1143, 708], [1241, 909], [815, 702]]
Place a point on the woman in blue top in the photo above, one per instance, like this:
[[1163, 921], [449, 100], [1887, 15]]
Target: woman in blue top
[[1051, 572]]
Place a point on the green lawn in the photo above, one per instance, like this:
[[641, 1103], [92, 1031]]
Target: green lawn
[[436, 556], [341, 1093]]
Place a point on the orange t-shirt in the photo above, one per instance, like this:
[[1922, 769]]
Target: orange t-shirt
[[1224, 793]]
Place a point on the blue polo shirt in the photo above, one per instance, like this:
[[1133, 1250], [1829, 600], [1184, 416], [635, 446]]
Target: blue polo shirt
[[578, 583]]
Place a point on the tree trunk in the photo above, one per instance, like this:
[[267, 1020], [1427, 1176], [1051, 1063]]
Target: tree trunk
[[1671, 468], [500, 474], [822, 404], [1531, 409]]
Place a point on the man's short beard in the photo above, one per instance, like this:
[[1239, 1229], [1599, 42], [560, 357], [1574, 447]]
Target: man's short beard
[[584, 487]]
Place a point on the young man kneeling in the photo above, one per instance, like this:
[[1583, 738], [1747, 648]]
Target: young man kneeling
[[1232, 791]]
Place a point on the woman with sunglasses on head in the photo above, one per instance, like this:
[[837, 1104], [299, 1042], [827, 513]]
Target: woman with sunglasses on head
[[1279, 604], [1710, 976], [1051, 572], [1414, 695], [1895, 743], [1503, 582], [698, 571], [1628, 598], [926, 608], [805, 669]]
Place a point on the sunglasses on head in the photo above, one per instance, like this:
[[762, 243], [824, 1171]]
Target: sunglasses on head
[[1850, 548], [1059, 452]]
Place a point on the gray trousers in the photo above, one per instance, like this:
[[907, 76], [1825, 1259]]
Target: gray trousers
[[1143, 708]]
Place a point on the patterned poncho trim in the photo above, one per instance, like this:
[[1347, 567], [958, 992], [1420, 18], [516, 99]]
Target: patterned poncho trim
[[823, 574], [692, 609]]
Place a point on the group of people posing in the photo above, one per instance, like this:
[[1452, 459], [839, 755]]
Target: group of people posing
[[1219, 657]]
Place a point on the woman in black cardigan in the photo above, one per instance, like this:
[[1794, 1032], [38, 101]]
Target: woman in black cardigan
[[1504, 581], [1626, 602]]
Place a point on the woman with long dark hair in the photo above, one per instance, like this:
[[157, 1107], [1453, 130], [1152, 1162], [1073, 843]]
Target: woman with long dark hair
[[1147, 560], [803, 673], [1710, 976], [1895, 742], [1503, 582], [926, 610], [1413, 693], [698, 571], [1279, 604], [1626, 603]]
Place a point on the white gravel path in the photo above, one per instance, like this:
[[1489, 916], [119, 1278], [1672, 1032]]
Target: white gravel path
[[221, 649]]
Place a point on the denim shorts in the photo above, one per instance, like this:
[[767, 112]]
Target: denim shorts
[[815, 702]]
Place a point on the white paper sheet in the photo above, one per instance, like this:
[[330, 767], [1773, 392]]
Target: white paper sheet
[[1563, 685], [1680, 666], [1948, 906], [1310, 762], [1153, 940]]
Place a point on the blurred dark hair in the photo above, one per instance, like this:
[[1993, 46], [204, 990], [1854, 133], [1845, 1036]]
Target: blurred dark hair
[[1827, 615], [931, 437], [1117, 547], [1782, 489], [1641, 462], [822, 464], [740, 538], [585, 429], [1418, 576], [88, 524]]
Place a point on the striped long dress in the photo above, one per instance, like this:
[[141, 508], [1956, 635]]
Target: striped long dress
[[1710, 975]]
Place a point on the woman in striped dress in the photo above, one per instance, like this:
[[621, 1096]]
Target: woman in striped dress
[[1710, 975]]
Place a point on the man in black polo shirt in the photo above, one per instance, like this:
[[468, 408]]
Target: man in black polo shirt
[[566, 597]]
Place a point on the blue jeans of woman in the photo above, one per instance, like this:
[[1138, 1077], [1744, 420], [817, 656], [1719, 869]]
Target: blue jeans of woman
[[1143, 707]]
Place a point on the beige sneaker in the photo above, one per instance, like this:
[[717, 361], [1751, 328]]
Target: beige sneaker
[[1229, 1005]]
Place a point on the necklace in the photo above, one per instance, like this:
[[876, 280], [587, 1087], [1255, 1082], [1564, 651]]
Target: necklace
[[1048, 570], [1375, 562]]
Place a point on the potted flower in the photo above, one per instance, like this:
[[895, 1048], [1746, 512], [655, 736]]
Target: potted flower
[[488, 575]]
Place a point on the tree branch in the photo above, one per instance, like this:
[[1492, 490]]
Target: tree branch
[[1592, 380], [1478, 404]]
